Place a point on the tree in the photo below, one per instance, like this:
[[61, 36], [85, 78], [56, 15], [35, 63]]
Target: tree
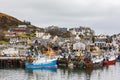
[[93, 38], [66, 34], [26, 22], [54, 30], [81, 36]]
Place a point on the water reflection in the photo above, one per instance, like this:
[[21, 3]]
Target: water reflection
[[41, 74], [54, 69], [12, 74], [77, 74], [106, 73], [59, 74]]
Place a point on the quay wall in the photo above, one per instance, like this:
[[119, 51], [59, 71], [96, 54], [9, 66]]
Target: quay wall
[[12, 62]]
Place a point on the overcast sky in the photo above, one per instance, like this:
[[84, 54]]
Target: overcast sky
[[103, 16]]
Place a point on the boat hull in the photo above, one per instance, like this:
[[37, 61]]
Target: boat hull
[[48, 64], [111, 62]]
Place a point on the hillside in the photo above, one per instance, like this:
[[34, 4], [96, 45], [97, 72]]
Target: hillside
[[7, 21]]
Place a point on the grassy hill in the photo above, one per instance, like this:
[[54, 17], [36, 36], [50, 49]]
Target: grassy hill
[[7, 21]]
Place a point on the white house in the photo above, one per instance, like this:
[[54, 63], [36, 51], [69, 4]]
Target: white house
[[77, 37], [81, 30], [102, 37], [22, 26], [39, 34], [73, 31], [46, 36]]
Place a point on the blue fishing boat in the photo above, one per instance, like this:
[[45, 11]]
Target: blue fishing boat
[[41, 62]]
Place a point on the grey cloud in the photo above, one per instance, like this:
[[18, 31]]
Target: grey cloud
[[97, 14]]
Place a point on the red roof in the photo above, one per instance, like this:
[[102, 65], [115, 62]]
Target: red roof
[[19, 30]]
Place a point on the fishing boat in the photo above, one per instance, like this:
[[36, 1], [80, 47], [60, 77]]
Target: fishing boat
[[94, 58], [97, 58], [91, 60], [78, 61], [41, 62], [65, 60], [110, 59], [97, 62]]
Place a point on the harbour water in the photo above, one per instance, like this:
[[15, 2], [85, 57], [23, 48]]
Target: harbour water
[[111, 72]]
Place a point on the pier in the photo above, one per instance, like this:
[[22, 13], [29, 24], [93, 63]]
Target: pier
[[11, 58], [12, 62]]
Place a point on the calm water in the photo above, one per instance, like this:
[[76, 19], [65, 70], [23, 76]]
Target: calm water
[[106, 73]]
